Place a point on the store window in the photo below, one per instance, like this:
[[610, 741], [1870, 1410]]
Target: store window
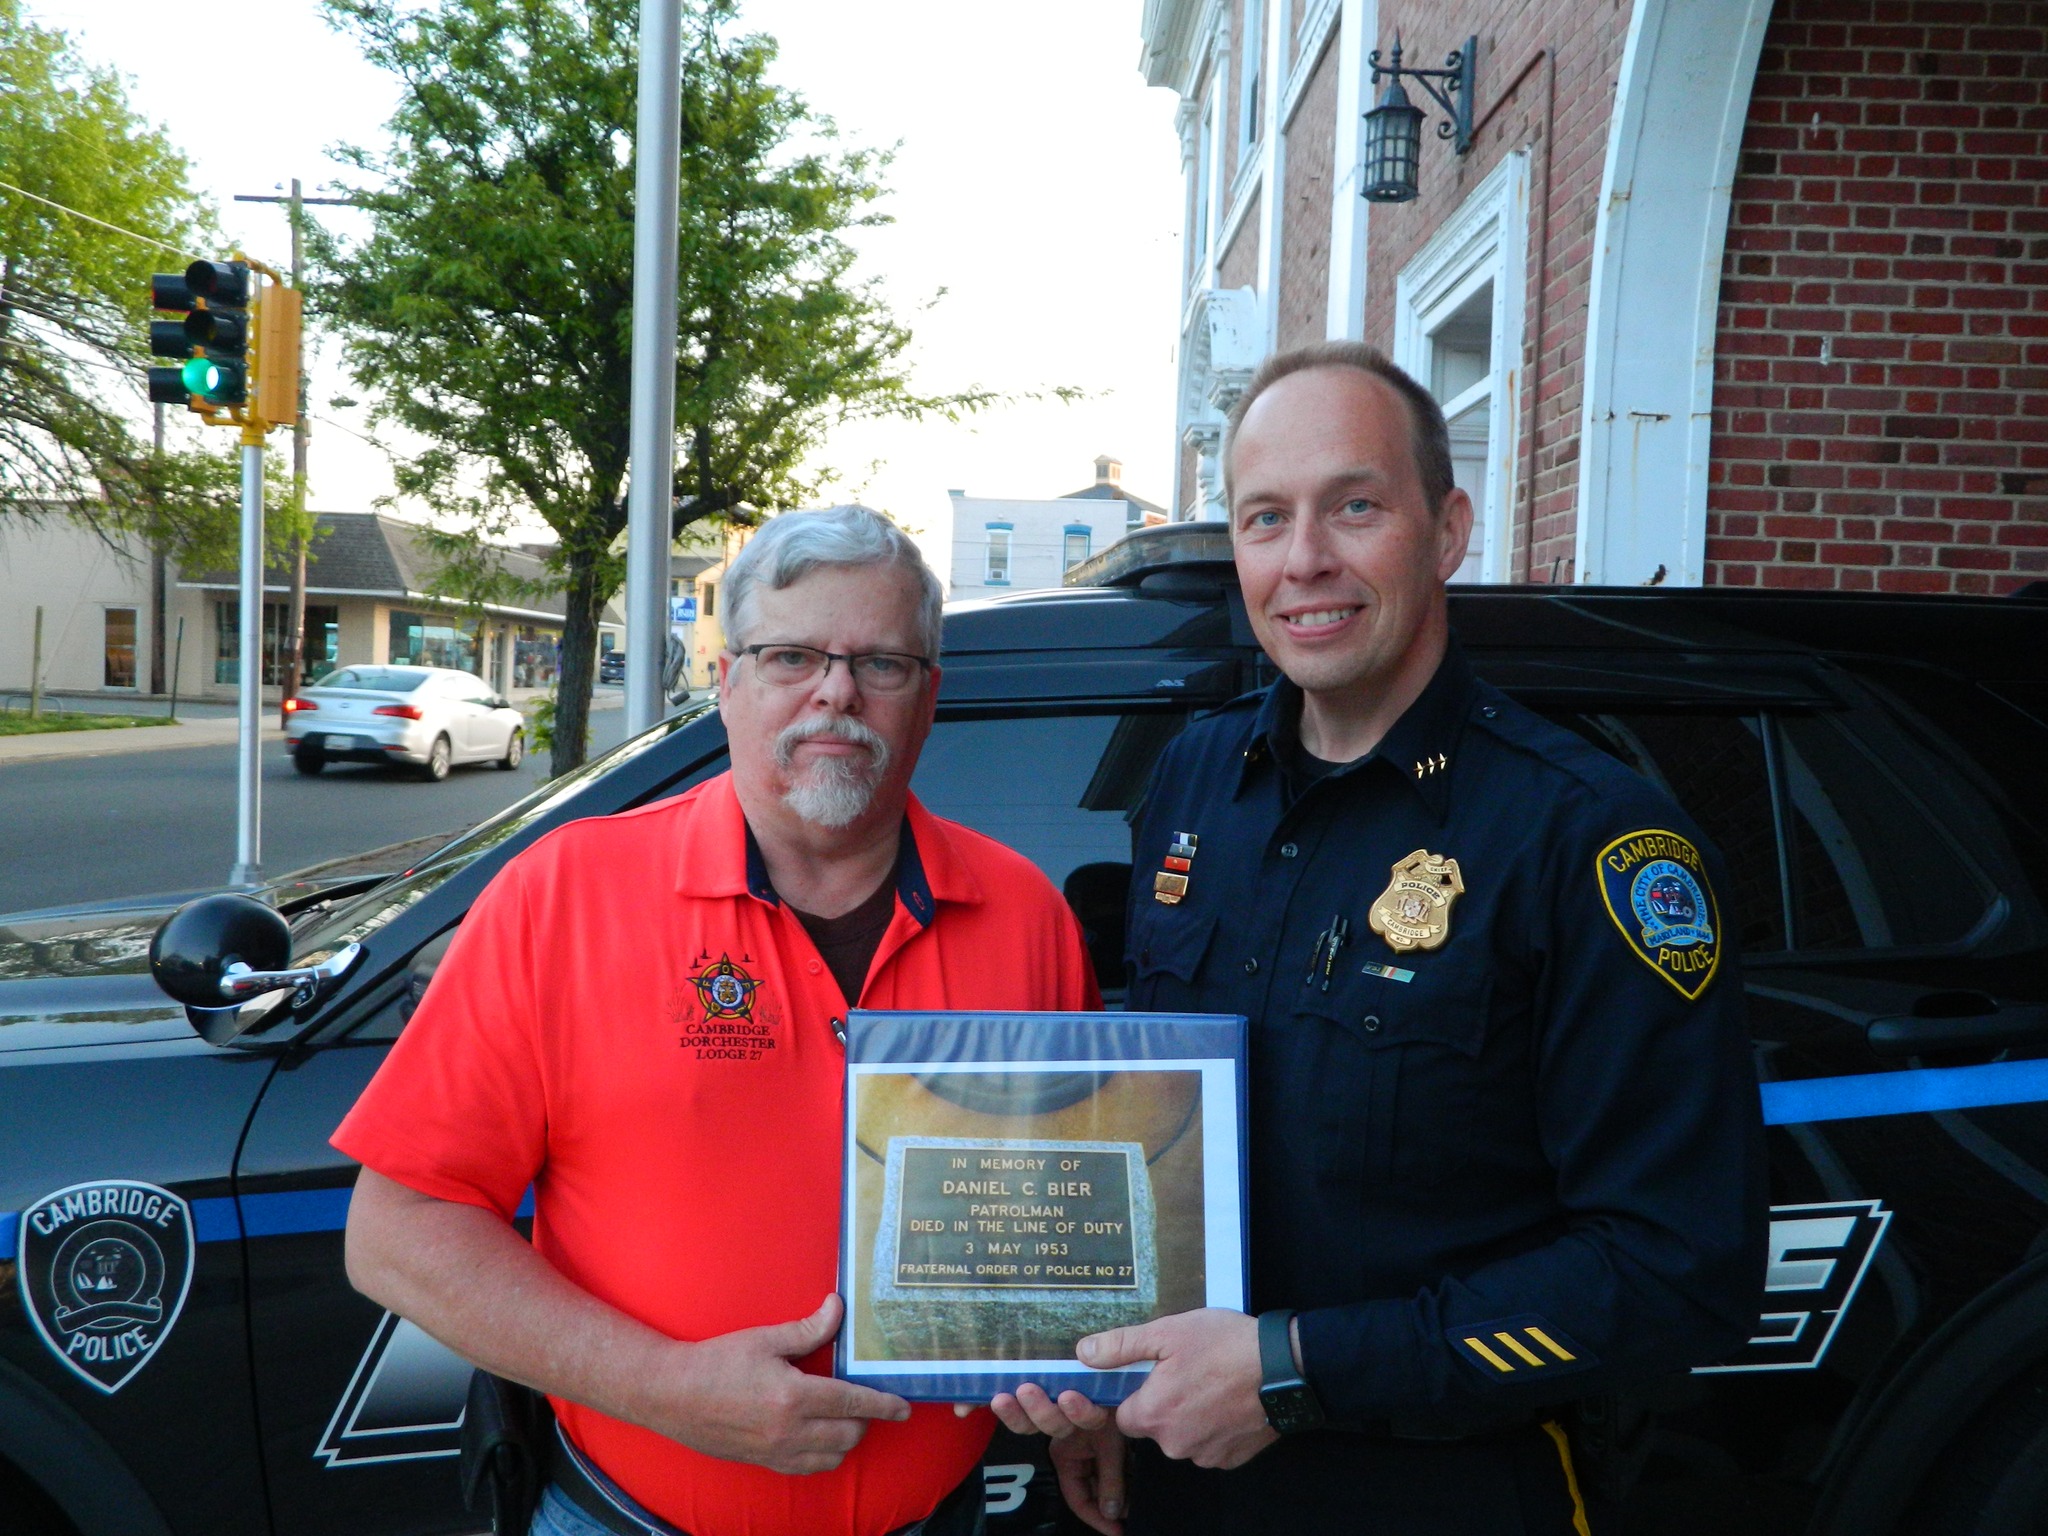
[[118, 665], [1074, 547], [323, 641], [430, 640], [998, 554], [227, 645], [535, 655], [1458, 329]]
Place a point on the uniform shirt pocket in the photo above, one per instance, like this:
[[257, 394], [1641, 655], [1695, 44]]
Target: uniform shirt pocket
[[1167, 948], [1408, 1054]]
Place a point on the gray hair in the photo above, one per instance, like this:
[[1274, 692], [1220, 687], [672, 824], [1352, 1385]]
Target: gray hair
[[790, 547]]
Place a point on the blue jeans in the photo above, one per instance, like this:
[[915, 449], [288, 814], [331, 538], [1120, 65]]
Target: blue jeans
[[558, 1517]]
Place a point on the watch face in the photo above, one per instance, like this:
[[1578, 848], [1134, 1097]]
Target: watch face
[[1291, 1407]]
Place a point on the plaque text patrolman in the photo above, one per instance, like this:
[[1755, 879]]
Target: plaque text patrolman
[[1028, 1216]]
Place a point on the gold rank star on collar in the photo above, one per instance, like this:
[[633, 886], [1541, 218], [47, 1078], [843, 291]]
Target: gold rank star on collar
[[1431, 765]]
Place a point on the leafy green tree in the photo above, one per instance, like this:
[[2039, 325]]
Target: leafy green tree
[[74, 303], [491, 306]]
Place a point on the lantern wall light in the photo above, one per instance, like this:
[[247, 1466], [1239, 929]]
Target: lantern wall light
[[1393, 129]]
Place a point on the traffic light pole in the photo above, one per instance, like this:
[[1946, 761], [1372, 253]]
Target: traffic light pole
[[249, 738], [650, 502], [241, 345]]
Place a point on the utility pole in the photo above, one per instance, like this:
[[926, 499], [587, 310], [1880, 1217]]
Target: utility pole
[[650, 510], [292, 643]]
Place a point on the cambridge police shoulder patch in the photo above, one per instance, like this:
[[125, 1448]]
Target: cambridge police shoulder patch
[[104, 1271], [1655, 885]]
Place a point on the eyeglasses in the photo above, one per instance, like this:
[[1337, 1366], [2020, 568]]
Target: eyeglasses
[[880, 672]]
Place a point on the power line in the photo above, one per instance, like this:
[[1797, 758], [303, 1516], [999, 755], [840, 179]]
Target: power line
[[103, 224], [351, 431], [44, 348]]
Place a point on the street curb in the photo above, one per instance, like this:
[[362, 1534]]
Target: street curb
[[132, 738]]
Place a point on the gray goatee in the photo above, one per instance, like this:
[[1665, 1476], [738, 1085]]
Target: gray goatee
[[835, 791]]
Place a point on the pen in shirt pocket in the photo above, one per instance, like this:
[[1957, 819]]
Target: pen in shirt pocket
[[1324, 956]]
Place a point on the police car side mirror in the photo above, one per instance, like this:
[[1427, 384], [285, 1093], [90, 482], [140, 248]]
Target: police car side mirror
[[218, 952]]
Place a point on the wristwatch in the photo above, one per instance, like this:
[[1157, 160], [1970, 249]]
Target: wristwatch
[[1290, 1402]]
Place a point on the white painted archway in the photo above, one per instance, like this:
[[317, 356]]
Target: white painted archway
[[1672, 147]]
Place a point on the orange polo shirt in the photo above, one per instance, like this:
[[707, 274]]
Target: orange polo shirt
[[630, 1021]]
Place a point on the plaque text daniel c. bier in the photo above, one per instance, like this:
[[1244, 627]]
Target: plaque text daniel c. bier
[[1041, 1217]]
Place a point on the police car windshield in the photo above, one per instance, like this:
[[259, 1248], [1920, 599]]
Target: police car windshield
[[376, 679], [327, 930]]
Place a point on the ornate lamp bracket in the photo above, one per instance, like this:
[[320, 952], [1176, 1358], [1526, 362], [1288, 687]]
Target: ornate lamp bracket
[[1459, 74]]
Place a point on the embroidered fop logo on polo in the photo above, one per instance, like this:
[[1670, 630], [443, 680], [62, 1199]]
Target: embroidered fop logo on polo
[[104, 1271], [1819, 1256], [727, 1023], [1655, 885], [726, 991]]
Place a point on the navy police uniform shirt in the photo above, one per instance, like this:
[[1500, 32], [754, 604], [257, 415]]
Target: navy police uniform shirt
[[1506, 1147]]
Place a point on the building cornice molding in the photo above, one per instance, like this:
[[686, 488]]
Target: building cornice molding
[[1177, 39]]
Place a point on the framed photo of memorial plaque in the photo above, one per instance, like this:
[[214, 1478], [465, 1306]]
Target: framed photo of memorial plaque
[[1017, 1181]]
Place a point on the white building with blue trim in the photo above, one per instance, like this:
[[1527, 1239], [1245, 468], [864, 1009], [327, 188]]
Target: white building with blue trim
[[1011, 545]]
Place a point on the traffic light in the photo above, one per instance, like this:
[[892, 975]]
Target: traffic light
[[168, 291], [222, 347], [218, 373]]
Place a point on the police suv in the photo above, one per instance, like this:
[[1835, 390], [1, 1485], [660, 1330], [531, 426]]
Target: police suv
[[181, 1352]]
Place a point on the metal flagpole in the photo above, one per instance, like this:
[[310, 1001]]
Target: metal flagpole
[[650, 500], [249, 758]]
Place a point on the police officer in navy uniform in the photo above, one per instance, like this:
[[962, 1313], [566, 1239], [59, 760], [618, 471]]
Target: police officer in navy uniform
[[1505, 1142]]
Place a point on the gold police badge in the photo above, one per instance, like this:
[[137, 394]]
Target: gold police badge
[[1414, 911]]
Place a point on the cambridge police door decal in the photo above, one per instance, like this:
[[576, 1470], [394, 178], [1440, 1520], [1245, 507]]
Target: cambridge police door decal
[[105, 1267]]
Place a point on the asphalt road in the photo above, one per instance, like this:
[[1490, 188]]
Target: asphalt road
[[145, 823]]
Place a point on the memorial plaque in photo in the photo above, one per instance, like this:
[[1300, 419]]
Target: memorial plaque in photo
[[1011, 1250], [1016, 1182]]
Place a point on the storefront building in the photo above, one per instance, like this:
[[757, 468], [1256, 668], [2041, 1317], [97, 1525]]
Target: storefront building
[[115, 621]]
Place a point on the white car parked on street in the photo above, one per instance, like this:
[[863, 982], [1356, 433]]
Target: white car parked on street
[[430, 718]]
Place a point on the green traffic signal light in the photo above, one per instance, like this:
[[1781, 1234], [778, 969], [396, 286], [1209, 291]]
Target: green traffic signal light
[[213, 299], [214, 381]]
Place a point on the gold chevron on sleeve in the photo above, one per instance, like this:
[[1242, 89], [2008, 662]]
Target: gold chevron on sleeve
[[1479, 1348], [1549, 1343]]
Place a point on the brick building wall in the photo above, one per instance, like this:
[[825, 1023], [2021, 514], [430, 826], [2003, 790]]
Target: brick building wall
[[1303, 302], [1881, 380], [1546, 79], [1239, 267]]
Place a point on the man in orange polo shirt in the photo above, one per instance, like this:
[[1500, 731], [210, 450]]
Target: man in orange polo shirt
[[643, 1016]]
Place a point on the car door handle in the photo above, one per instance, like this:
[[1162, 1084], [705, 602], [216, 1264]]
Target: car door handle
[[1995, 1030]]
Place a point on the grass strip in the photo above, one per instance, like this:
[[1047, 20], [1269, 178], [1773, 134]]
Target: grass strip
[[15, 723]]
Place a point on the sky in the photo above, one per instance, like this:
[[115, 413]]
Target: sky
[[1035, 193]]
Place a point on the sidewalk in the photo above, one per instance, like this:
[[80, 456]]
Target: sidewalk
[[134, 738]]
